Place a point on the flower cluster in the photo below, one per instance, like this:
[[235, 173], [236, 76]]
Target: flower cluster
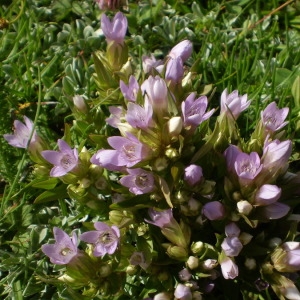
[[180, 199]]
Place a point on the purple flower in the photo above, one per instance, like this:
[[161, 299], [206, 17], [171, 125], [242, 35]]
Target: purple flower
[[232, 230], [232, 246], [231, 154], [184, 275], [291, 257], [105, 239], [213, 210], [115, 30], [138, 181], [64, 160], [233, 104], [273, 211], [267, 194], [128, 152], [130, 91], [64, 249], [174, 70], [183, 50], [149, 63], [160, 218], [183, 292], [229, 268], [193, 111], [22, 133], [247, 166], [157, 92], [193, 174], [273, 118], [139, 117], [138, 259], [117, 112], [276, 155]]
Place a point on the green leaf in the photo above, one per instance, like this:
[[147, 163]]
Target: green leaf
[[59, 192], [296, 92], [47, 184]]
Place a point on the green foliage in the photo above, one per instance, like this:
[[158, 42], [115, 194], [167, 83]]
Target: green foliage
[[46, 54]]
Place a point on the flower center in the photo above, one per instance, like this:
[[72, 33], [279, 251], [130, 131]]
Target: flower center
[[106, 238], [270, 120], [129, 151], [142, 181], [66, 251], [67, 161]]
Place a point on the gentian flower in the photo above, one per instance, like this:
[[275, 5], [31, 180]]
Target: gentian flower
[[276, 155], [174, 70], [130, 91], [114, 30], [128, 151], [229, 268], [64, 249], [273, 118], [247, 166], [105, 239], [183, 50], [231, 154], [273, 211], [193, 174], [231, 245], [193, 111], [161, 218], [149, 63], [80, 104], [117, 113], [138, 181], [286, 258], [156, 92], [233, 104], [64, 160], [213, 210], [183, 292], [138, 259], [184, 275], [22, 133], [267, 194], [139, 117]]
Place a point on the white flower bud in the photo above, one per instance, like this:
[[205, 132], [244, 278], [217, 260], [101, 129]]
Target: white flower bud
[[244, 207]]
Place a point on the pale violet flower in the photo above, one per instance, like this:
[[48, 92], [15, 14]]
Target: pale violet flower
[[194, 110], [183, 292], [185, 275], [213, 210], [130, 91], [161, 218], [229, 268], [128, 151], [22, 133], [138, 116], [273, 118], [138, 181], [117, 114], [174, 70], [233, 104], [289, 260], [105, 239], [149, 63], [193, 174], [64, 160], [247, 166], [232, 246], [267, 194], [273, 211], [156, 92], [114, 30], [183, 50], [231, 154], [64, 249]]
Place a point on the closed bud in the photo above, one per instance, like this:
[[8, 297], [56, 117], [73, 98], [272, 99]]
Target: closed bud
[[172, 153], [193, 262], [131, 270], [197, 247], [162, 296], [244, 207], [174, 126], [120, 218], [178, 253]]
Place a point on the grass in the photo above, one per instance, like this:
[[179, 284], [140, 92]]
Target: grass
[[46, 58]]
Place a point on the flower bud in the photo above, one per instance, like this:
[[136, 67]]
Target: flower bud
[[174, 126], [162, 296], [197, 247], [244, 207], [80, 104], [250, 263], [193, 174], [184, 275], [183, 292], [214, 210], [178, 253], [193, 262]]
